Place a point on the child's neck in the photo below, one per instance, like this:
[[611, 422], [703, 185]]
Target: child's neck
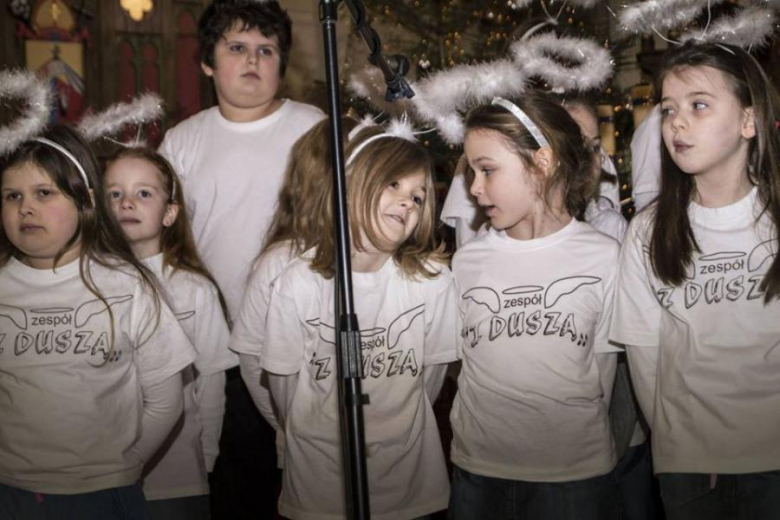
[[247, 115], [539, 224], [146, 249], [721, 190], [369, 261]]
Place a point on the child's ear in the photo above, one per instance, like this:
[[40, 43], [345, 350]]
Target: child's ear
[[544, 160], [208, 71], [749, 123], [171, 212]]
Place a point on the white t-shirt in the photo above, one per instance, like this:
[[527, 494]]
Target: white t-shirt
[[249, 328], [405, 326], [717, 396], [70, 418], [231, 174], [460, 209], [530, 404], [181, 465], [646, 159]]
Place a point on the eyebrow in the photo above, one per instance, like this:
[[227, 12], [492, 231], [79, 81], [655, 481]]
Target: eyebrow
[[242, 42], [690, 95]]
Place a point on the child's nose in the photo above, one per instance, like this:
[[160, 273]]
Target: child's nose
[[476, 187]]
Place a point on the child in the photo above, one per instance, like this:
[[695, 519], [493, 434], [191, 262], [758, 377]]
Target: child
[[531, 434], [461, 212], [147, 200], [697, 304], [231, 159], [304, 203], [89, 357], [405, 301]]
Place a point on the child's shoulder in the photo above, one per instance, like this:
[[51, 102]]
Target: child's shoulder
[[190, 127], [303, 111]]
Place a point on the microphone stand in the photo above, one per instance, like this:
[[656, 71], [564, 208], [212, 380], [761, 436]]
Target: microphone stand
[[349, 358]]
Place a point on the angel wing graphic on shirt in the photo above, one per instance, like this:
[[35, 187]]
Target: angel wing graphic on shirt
[[16, 315], [327, 332], [401, 324], [484, 296], [86, 311], [760, 254], [394, 331], [566, 286]]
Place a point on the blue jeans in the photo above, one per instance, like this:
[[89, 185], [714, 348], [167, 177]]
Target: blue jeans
[[475, 497], [691, 496], [183, 508], [122, 503], [634, 475]]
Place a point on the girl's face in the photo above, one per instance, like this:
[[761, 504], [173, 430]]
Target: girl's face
[[400, 206], [704, 128], [139, 201], [502, 185], [38, 218]]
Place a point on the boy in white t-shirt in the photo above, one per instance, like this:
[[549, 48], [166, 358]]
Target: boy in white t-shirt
[[231, 159]]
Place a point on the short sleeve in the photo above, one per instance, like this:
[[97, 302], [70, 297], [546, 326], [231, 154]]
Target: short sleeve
[[442, 320], [212, 336], [162, 347], [249, 328], [637, 314], [285, 334]]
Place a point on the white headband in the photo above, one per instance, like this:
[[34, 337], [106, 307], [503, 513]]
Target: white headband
[[398, 128], [66, 153], [524, 119]]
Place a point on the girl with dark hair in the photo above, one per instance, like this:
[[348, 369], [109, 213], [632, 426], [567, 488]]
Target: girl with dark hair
[[89, 357], [697, 304], [146, 198], [530, 420]]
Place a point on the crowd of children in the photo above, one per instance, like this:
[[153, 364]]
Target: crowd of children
[[167, 330]]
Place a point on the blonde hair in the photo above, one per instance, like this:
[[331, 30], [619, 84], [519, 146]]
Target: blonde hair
[[374, 168]]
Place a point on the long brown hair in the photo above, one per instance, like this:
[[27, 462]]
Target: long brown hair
[[376, 166], [98, 234], [304, 204], [176, 242], [572, 176], [672, 242]]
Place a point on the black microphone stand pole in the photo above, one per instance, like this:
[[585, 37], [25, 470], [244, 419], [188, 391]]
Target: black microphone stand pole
[[349, 358]]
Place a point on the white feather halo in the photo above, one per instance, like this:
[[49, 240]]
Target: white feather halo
[[38, 99], [660, 15], [749, 28], [145, 108], [462, 86], [537, 55]]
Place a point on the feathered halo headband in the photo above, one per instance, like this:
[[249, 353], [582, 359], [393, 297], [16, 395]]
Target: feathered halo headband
[[442, 98], [751, 27], [37, 97]]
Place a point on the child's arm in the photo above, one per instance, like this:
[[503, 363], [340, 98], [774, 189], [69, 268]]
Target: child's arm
[[643, 362], [163, 404], [282, 391], [255, 378], [210, 393]]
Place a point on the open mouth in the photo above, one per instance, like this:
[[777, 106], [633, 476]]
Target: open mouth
[[489, 210], [397, 218]]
